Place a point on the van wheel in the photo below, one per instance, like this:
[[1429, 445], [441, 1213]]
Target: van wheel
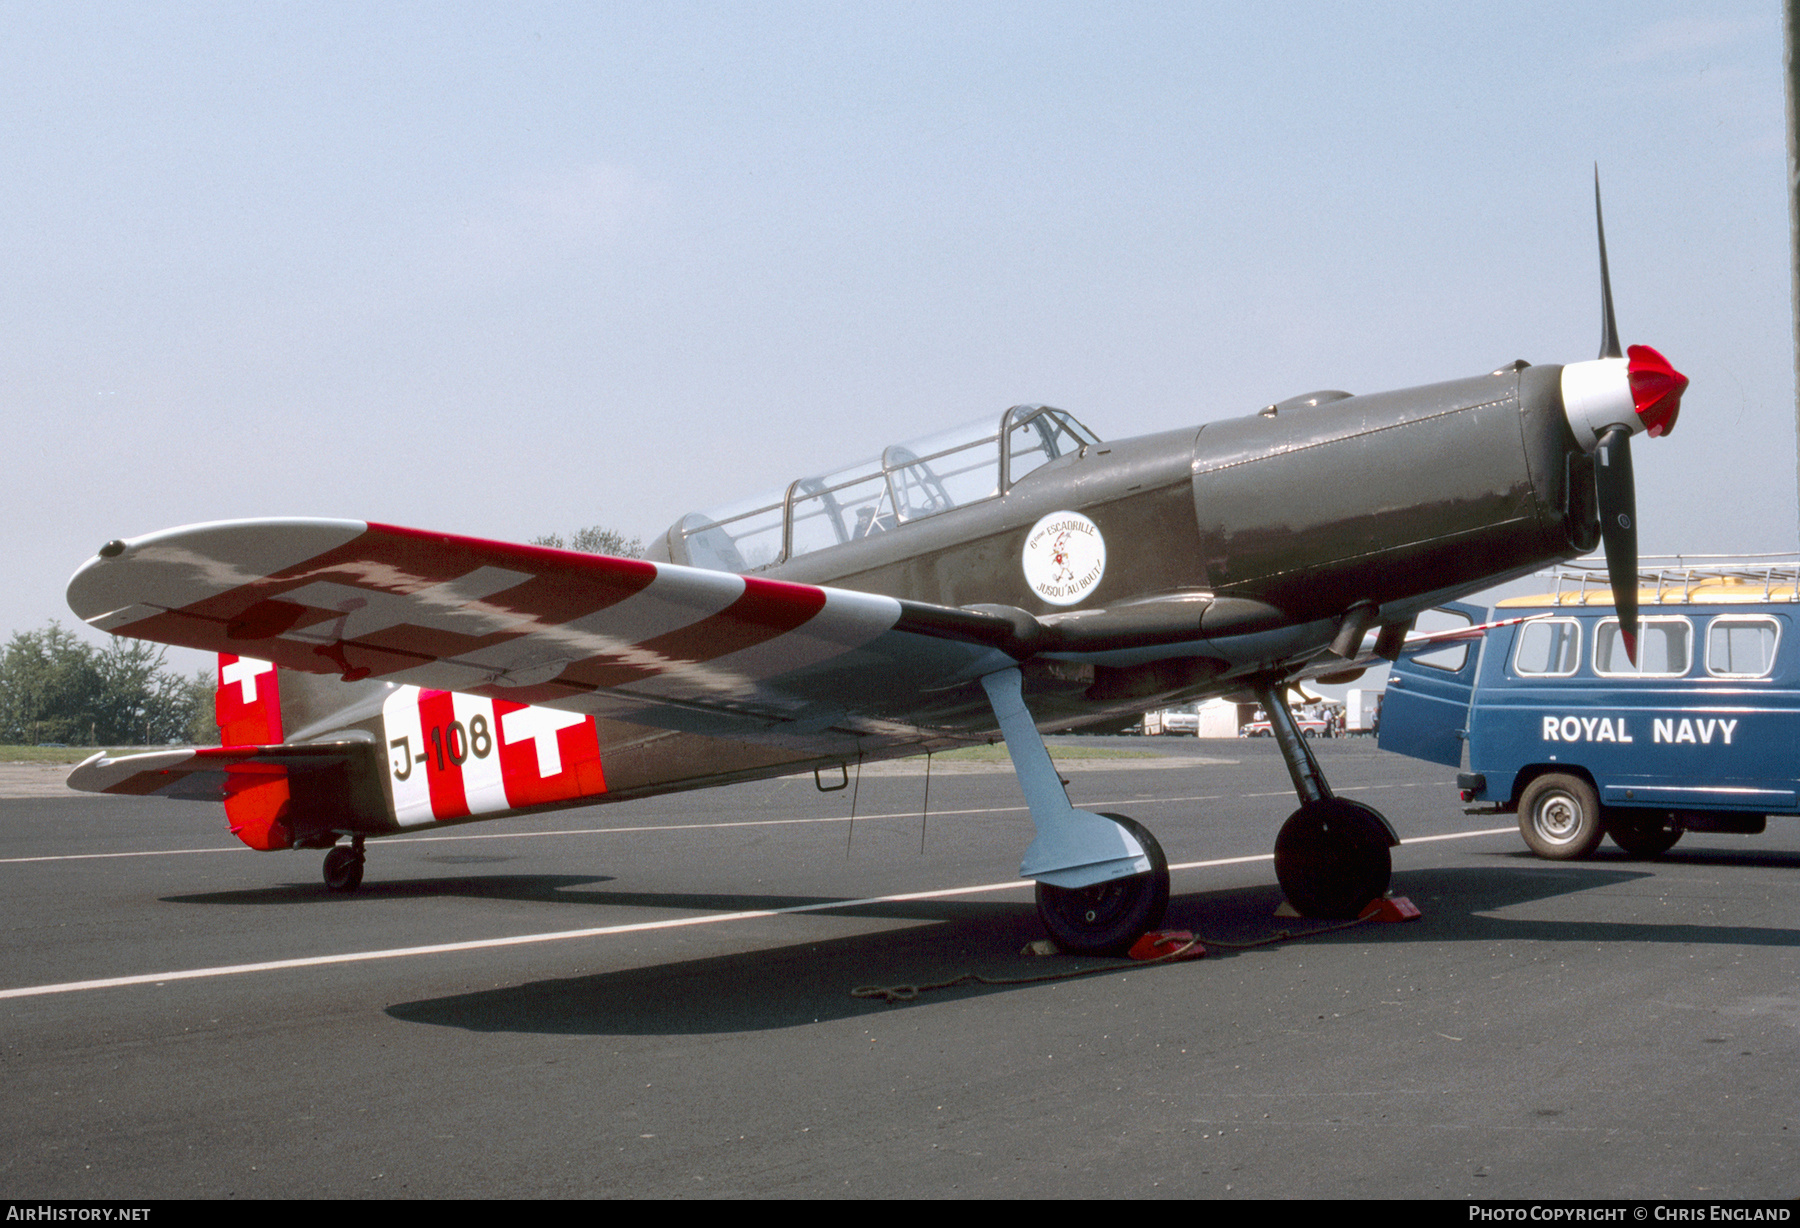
[[1643, 835], [1559, 816]]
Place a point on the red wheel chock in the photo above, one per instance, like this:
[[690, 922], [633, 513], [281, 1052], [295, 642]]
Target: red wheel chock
[[1397, 908], [1172, 945]]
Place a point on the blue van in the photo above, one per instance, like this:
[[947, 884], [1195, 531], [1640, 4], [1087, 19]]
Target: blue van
[[1561, 728]]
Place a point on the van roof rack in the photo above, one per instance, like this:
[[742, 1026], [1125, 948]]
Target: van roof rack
[[1679, 579]]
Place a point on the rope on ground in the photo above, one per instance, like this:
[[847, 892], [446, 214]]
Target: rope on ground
[[1290, 935], [906, 993]]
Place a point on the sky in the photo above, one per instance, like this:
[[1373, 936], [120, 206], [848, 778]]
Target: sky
[[509, 270]]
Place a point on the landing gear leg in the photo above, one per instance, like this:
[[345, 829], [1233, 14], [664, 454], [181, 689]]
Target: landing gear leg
[[344, 866], [1331, 856], [1102, 880]]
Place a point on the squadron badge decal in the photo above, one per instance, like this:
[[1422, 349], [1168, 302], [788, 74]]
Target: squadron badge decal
[[1064, 558]]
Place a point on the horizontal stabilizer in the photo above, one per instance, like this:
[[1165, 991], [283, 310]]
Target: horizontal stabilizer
[[209, 774]]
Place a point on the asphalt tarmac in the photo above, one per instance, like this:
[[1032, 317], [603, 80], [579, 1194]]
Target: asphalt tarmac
[[653, 999]]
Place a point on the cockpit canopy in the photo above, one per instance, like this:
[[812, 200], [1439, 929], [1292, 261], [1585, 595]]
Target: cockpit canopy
[[906, 483]]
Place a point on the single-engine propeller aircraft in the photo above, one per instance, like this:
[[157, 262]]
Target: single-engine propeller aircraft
[[1020, 573]]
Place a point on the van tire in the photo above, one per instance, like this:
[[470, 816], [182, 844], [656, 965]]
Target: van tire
[[1643, 834], [1559, 816]]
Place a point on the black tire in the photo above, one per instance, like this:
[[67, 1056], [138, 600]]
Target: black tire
[[343, 868], [1107, 918], [1643, 834], [1332, 858], [1559, 816]]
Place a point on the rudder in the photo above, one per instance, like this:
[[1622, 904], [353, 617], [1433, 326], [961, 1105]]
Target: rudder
[[247, 706]]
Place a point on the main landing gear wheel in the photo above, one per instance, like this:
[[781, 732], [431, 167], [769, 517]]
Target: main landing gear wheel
[[1559, 816], [1332, 858], [1642, 835], [344, 868], [1107, 918]]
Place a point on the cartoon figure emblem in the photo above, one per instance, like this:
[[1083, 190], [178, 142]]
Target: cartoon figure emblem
[[1064, 558]]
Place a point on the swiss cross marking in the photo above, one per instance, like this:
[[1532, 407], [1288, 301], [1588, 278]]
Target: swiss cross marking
[[540, 725], [245, 670], [453, 605]]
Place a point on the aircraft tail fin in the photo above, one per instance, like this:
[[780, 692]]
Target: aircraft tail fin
[[247, 702], [275, 793], [247, 706]]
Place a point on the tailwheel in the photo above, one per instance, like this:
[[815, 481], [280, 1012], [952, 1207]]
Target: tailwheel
[[1106, 918], [1332, 858], [344, 867], [1642, 834]]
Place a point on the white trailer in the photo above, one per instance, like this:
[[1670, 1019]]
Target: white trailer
[[1362, 710]]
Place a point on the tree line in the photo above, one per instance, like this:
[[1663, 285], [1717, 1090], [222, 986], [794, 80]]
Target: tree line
[[595, 540], [56, 688]]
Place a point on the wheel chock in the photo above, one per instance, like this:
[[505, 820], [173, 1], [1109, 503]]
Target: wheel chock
[[1395, 908], [1172, 945]]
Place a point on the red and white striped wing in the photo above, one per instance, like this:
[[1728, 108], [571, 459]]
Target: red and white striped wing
[[520, 624]]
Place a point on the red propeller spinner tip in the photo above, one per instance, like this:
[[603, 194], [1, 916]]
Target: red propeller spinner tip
[[1656, 389]]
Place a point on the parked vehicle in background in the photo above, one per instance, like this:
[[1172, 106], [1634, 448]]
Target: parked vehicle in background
[[1362, 710], [1563, 729], [1314, 726], [1215, 718], [1170, 722]]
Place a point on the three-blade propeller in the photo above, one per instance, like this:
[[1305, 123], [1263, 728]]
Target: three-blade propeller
[[1655, 393]]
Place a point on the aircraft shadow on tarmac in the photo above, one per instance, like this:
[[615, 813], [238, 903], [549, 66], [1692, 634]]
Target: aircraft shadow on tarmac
[[805, 983], [535, 888], [565, 889], [562, 888], [1766, 858]]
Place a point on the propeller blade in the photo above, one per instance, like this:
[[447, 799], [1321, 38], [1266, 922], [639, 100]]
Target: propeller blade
[[1617, 494], [1609, 327]]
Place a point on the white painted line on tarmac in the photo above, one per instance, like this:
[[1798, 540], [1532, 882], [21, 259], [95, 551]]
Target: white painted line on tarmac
[[388, 841], [481, 944], [1236, 861], [1463, 835], [636, 927], [613, 831], [224, 848]]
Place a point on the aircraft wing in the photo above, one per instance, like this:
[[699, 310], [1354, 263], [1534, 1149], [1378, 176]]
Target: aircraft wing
[[654, 643]]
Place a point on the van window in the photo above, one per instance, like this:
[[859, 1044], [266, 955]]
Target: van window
[[1452, 656], [1741, 647], [1665, 649], [1549, 647]]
